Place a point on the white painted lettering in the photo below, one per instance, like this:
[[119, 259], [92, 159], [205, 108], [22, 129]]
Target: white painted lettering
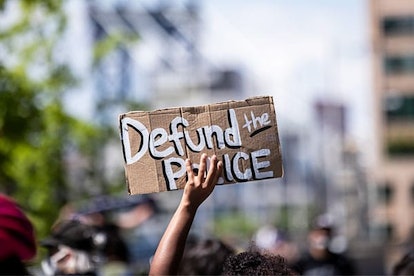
[[258, 122], [142, 130], [190, 143], [233, 131], [158, 137], [175, 135], [154, 143], [218, 132], [247, 174], [170, 175], [227, 167], [257, 166]]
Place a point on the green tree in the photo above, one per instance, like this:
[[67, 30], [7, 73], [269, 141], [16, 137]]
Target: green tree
[[36, 133]]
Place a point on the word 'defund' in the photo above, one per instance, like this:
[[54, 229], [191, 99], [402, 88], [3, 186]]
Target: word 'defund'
[[243, 134]]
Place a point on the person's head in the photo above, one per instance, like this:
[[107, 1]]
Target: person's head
[[275, 241], [253, 262], [269, 238], [72, 246], [319, 238], [204, 257], [17, 238]]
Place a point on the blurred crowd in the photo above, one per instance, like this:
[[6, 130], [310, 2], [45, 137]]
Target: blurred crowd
[[117, 236]]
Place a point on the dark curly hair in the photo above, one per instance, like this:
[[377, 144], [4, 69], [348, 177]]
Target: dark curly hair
[[256, 263]]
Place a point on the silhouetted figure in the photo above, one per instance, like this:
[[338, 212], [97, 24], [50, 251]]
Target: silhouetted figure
[[319, 260]]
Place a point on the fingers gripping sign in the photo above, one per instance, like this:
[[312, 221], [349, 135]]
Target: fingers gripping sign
[[200, 186]]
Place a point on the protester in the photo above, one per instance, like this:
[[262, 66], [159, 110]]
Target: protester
[[130, 225], [168, 255], [17, 239], [75, 247], [319, 259], [71, 248]]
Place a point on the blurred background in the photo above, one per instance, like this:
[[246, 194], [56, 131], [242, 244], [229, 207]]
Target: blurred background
[[341, 74]]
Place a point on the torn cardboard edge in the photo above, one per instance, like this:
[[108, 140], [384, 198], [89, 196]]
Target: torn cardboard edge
[[243, 134]]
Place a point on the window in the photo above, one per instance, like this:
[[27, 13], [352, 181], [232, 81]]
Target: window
[[399, 107], [385, 193], [399, 112], [400, 148], [398, 25], [399, 64]]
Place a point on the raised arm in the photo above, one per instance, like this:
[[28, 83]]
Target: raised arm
[[166, 260]]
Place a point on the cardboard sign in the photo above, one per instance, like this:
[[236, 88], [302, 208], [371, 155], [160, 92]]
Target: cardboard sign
[[243, 134]]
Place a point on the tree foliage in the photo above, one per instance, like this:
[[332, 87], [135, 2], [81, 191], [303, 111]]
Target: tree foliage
[[37, 134]]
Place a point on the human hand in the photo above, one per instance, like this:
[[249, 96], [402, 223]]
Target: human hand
[[200, 186], [170, 250]]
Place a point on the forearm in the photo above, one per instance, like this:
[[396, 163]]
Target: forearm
[[168, 255], [170, 250]]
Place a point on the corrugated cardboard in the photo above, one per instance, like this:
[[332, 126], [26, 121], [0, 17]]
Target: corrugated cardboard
[[243, 134]]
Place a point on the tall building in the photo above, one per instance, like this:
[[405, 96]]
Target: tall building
[[392, 25]]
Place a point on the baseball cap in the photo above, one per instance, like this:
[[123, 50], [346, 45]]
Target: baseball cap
[[71, 233]]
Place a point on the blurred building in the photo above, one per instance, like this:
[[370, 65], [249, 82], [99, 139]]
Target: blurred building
[[341, 183], [331, 127], [392, 24], [164, 66]]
